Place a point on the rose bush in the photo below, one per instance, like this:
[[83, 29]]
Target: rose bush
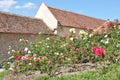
[[50, 53]]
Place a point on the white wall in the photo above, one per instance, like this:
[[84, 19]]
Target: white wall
[[45, 14]]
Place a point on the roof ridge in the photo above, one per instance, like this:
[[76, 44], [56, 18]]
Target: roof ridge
[[13, 14]]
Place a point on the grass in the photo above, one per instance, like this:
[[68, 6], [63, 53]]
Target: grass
[[2, 74], [109, 73]]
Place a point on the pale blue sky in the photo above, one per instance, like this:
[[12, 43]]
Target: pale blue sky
[[104, 9]]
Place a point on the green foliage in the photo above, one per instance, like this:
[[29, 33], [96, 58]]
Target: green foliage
[[48, 54]]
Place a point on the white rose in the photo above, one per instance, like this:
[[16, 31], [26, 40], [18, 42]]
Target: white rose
[[29, 52], [26, 49], [71, 38], [105, 36], [55, 32]]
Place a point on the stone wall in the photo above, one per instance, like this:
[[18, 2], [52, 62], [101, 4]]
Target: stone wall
[[64, 31], [14, 27], [12, 40]]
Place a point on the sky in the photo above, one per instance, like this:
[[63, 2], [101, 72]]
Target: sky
[[103, 9]]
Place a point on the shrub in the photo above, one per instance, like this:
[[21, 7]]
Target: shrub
[[48, 54]]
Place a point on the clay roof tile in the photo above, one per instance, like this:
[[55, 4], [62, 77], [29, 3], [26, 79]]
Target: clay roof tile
[[13, 23], [71, 19]]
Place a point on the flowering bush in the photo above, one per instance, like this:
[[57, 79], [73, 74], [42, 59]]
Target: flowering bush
[[49, 53]]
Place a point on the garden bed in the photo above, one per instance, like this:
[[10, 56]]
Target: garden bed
[[56, 56], [71, 70]]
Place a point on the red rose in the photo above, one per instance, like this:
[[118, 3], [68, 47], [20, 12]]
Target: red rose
[[64, 37], [69, 46], [39, 58], [94, 49], [17, 57], [98, 51]]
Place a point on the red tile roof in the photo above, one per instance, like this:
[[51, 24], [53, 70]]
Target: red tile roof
[[70, 19], [12, 23]]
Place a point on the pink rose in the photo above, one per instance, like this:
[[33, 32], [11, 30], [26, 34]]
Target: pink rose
[[98, 51], [24, 58]]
